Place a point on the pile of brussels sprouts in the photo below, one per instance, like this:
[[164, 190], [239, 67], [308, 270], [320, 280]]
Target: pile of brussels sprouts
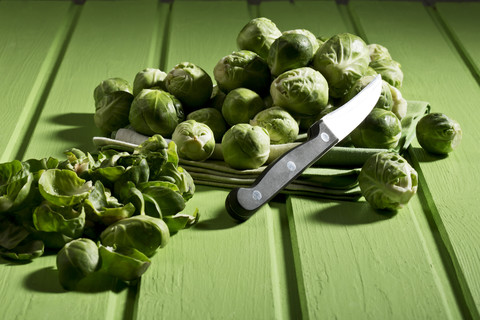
[[268, 92], [106, 213]]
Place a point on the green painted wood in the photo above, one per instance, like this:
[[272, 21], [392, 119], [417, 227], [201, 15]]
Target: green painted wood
[[29, 46], [216, 270], [462, 23], [344, 267], [435, 72], [106, 41], [204, 32]]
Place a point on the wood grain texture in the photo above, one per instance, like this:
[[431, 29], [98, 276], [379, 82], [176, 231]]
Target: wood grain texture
[[435, 72], [216, 270], [29, 46]]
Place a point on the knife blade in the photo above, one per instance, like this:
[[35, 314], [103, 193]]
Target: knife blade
[[242, 203]]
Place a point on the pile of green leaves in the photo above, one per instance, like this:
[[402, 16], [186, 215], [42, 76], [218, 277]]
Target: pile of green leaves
[[106, 212]]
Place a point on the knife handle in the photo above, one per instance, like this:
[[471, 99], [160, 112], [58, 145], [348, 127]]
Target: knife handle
[[242, 203]]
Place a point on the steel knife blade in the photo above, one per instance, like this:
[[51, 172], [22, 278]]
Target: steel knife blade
[[242, 203]]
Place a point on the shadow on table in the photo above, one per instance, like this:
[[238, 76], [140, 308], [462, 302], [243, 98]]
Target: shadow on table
[[46, 280], [219, 220], [79, 129], [424, 156], [346, 213]]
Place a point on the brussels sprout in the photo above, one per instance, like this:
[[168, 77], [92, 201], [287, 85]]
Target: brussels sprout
[[439, 134], [385, 101], [245, 146], [195, 140], [109, 86], [76, 260], [257, 36], [63, 187], [387, 181], [289, 51], [243, 69], [400, 105], [112, 111], [241, 105], [303, 92], [15, 184], [143, 233], [281, 126], [190, 84], [316, 42], [390, 70], [212, 118], [155, 111], [342, 59], [149, 78], [380, 129], [378, 52]]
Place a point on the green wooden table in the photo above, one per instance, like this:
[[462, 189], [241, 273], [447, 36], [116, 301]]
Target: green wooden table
[[298, 257]]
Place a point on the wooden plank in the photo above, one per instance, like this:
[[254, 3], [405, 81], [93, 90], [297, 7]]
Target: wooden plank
[[360, 265], [461, 21], [435, 72], [217, 269], [107, 41], [29, 46]]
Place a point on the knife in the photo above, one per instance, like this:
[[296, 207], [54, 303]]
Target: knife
[[242, 203]]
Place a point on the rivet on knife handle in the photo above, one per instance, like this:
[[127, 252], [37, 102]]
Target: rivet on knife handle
[[242, 203]]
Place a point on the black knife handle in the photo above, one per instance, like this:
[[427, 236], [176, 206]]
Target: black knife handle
[[242, 203]]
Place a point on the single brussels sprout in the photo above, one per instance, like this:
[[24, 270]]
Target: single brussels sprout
[[112, 111], [378, 52], [76, 260], [109, 86], [303, 92], [241, 105], [245, 146], [213, 118], [149, 78], [385, 101], [62, 187], [387, 181], [195, 140], [281, 126], [257, 36], [124, 263], [400, 105], [342, 60], [155, 112], [289, 51], [380, 129], [439, 134], [316, 42], [143, 233], [390, 70], [190, 84], [243, 69]]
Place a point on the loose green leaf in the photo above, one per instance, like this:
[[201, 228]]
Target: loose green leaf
[[124, 263], [63, 187], [66, 220]]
